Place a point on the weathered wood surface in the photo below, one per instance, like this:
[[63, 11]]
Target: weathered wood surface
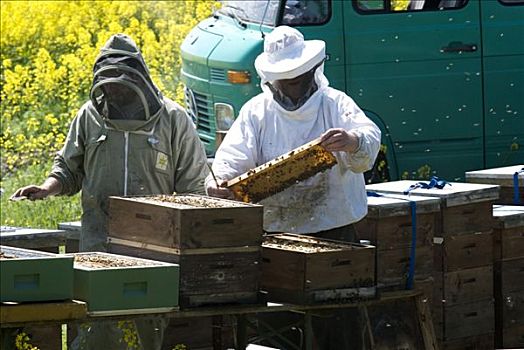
[[469, 319], [508, 232], [396, 231], [513, 337], [41, 239], [468, 285], [511, 272], [502, 176], [477, 342], [42, 312], [466, 218], [349, 265], [393, 265], [457, 194], [184, 227], [464, 251]]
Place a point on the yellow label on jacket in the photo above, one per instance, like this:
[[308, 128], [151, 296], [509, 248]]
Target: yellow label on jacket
[[161, 161]]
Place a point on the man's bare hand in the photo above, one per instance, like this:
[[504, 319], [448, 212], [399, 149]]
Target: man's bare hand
[[31, 192], [338, 139], [50, 187]]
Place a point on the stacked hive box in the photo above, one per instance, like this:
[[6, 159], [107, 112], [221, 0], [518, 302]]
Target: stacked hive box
[[303, 269], [216, 242], [505, 178], [389, 226], [509, 276], [462, 256]]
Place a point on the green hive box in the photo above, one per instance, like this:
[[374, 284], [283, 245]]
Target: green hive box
[[30, 275], [118, 284]]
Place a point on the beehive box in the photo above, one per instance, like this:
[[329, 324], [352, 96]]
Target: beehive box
[[117, 284], [213, 276], [280, 173], [388, 224], [30, 275], [302, 269], [465, 207], [185, 221], [508, 231], [504, 177], [469, 319]]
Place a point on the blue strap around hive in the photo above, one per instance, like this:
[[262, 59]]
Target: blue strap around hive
[[413, 206], [516, 194], [435, 182]]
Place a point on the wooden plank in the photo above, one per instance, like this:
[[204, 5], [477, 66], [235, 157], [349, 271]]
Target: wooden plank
[[283, 269], [512, 309], [165, 221], [511, 273], [393, 265], [467, 251], [477, 342], [502, 176], [458, 193], [395, 232], [513, 337], [426, 324], [468, 285], [467, 218], [16, 313], [469, 319]]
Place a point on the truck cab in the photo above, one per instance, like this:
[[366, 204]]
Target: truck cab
[[443, 79]]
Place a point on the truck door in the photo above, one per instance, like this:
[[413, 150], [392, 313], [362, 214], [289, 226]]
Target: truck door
[[416, 67], [503, 51]]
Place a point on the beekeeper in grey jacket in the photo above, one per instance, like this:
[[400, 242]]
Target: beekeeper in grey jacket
[[127, 140]]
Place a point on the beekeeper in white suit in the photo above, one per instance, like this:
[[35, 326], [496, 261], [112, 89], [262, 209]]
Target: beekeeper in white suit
[[297, 106]]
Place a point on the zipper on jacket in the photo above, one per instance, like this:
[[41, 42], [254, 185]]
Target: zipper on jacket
[[126, 153]]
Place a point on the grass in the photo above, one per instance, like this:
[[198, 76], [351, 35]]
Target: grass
[[46, 213]]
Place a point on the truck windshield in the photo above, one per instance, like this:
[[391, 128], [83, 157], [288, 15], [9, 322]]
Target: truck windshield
[[255, 11]]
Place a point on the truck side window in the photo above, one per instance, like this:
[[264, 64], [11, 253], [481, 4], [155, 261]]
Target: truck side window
[[512, 2], [304, 12], [409, 5]]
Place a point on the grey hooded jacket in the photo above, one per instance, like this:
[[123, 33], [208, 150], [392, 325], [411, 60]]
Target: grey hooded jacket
[[147, 146]]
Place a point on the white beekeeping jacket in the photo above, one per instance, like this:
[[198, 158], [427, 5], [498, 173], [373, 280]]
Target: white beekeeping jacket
[[264, 131]]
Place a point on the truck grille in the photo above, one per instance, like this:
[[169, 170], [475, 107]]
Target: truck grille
[[199, 109]]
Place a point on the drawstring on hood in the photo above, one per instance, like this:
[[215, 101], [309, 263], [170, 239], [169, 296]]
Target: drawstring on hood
[[122, 91]]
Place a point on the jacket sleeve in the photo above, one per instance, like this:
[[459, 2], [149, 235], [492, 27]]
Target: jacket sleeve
[[68, 164], [355, 120], [238, 152], [191, 166]]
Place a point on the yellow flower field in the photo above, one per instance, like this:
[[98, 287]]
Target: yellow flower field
[[48, 50]]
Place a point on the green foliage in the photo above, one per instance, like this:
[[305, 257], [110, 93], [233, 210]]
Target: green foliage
[[42, 214], [47, 53]]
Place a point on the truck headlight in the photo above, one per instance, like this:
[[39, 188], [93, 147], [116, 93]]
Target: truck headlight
[[224, 116]]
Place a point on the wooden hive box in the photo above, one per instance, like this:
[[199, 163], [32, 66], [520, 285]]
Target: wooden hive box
[[504, 177], [465, 207], [280, 173], [30, 275], [208, 276], [185, 221], [303, 269], [508, 232], [115, 284], [388, 226]]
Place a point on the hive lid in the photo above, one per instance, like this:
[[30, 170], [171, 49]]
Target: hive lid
[[282, 172]]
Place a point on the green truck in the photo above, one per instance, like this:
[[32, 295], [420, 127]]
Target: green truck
[[444, 79]]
